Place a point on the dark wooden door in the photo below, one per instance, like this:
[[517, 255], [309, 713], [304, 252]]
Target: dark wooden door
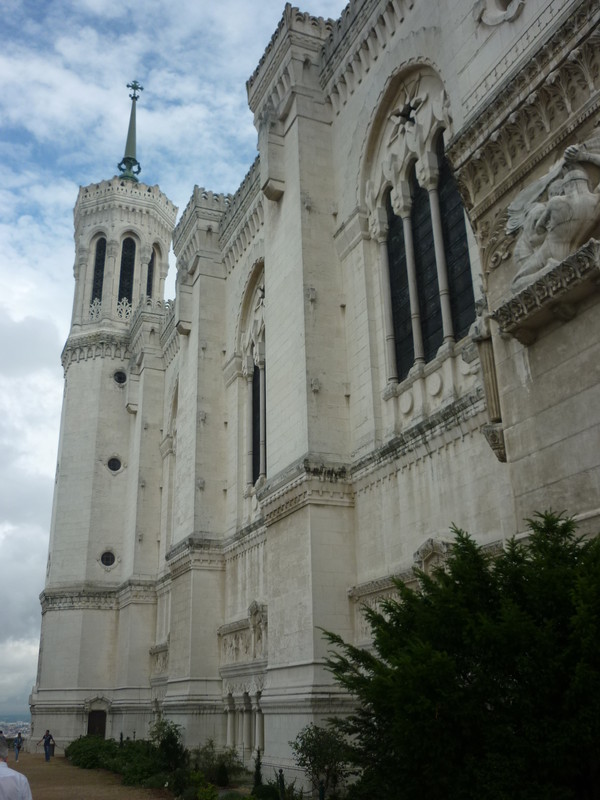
[[97, 723]]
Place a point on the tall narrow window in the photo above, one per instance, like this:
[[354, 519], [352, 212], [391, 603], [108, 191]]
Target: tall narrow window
[[150, 279], [399, 291], [99, 269], [255, 424], [456, 247], [127, 268]]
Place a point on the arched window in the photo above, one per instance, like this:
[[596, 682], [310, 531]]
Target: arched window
[[127, 269], [252, 344], [456, 269], [425, 273], [99, 262]]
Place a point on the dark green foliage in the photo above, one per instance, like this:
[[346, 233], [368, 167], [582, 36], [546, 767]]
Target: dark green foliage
[[268, 791], [151, 763], [91, 752], [231, 796], [221, 776], [486, 682], [323, 754], [166, 737], [211, 762], [257, 770]]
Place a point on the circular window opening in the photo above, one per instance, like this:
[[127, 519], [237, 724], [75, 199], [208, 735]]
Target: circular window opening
[[108, 558], [120, 377], [114, 464]]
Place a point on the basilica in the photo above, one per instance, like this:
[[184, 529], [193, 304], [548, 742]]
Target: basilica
[[393, 325]]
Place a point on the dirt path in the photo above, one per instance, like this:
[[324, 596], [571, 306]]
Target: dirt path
[[60, 780]]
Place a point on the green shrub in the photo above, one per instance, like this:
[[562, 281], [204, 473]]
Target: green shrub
[[165, 735], [208, 792], [221, 775], [91, 752], [157, 781], [231, 796], [208, 759], [266, 791], [189, 793]]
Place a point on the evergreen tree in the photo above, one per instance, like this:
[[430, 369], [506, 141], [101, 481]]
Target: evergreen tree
[[484, 683]]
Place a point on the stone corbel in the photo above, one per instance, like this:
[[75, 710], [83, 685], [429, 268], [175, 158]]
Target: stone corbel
[[493, 431], [489, 12], [271, 149]]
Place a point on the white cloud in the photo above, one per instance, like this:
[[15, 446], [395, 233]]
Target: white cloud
[[64, 108]]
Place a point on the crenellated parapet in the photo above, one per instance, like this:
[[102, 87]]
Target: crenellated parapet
[[362, 33], [135, 205], [242, 224], [298, 37], [290, 64], [199, 226]]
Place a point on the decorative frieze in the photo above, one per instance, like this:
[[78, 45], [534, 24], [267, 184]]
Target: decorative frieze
[[100, 344], [550, 97]]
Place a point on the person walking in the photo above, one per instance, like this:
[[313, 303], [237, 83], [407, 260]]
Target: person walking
[[47, 739], [13, 785], [18, 745]]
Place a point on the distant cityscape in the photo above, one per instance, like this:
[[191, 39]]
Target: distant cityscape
[[11, 726]]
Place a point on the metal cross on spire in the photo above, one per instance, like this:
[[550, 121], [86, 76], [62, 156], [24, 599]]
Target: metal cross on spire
[[129, 166]]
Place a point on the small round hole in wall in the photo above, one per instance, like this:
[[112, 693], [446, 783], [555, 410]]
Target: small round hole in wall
[[120, 377], [114, 464], [107, 558]]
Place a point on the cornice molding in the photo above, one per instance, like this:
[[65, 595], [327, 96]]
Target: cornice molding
[[308, 482], [195, 552], [441, 428], [85, 597], [99, 344]]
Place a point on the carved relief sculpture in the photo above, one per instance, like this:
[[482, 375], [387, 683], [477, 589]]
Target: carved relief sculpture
[[556, 214]]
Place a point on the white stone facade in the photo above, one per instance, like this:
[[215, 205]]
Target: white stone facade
[[284, 446]]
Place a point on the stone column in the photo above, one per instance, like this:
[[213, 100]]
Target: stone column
[[230, 711], [259, 725], [430, 175], [110, 286], [145, 255], [402, 205], [80, 274], [379, 231], [247, 737]]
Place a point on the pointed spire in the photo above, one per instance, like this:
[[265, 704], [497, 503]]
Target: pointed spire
[[130, 166]]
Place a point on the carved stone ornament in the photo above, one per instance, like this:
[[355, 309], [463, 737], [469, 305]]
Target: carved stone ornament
[[418, 112], [495, 12], [494, 436], [557, 213], [550, 294]]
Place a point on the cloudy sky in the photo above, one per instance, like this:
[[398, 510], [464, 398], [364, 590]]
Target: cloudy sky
[[64, 110]]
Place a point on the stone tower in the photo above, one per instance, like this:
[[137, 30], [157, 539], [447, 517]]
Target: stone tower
[[99, 592]]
